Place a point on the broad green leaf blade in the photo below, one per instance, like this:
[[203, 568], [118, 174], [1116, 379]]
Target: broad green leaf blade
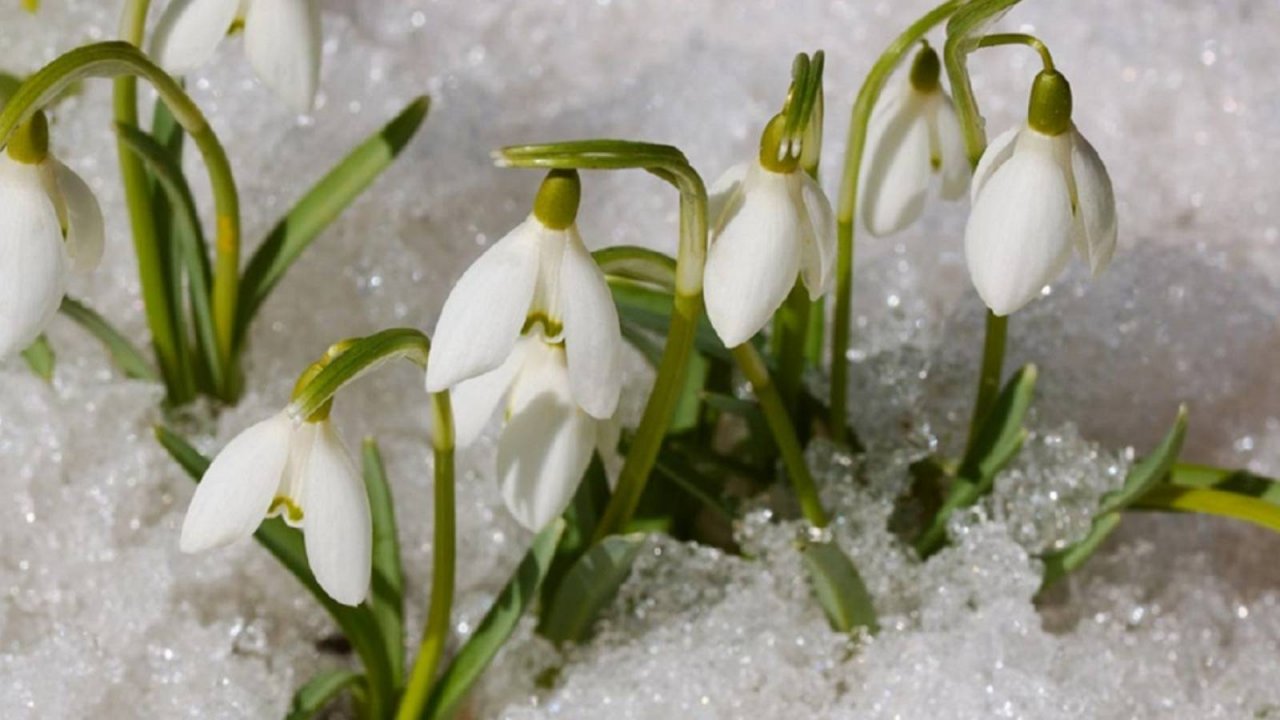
[[126, 357], [319, 691], [839, 588], [357, 623], [589, 587], [1153, 468], [188, 249], [1001, 434], [387, 600], [322, 203], [496, 626], [1060, 563], [1240, 482], [1213, 502], [40, 358]]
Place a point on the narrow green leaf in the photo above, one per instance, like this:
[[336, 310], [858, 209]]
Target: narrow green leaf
[[358, 623], [1240, 482], [319, 691], [649, 308], [839, 588], [1058, 564], [1001, 434], [127, 357], [1153, 468], [188, 249], [638, 264], [387, 599], [1212, 502], [322, 203], [40, 358], [496, 626], [589, 587], [689, 408]]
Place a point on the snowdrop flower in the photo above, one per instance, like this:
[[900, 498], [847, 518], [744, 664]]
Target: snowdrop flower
[[533, 320], [302, 472], [771, 222], [1038, 191], [913, 133], [50, 223], [281, 38]]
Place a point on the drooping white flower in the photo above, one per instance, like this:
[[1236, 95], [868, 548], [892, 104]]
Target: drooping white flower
[[50, 223], [281, 39], [302, 472], [771, 222], [547, 439], [539, 275], [1038, 191], [913, 133]]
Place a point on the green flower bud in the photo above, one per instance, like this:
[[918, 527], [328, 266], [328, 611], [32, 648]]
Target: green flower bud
[[557, 203]]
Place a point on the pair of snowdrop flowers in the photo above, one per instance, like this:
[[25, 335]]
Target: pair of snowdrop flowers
[[1038, 190], [50, 225], [281, 39]]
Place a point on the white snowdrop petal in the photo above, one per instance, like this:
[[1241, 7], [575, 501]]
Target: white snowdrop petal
[[1019, 233], [475, 400], [485, 311], [998, 151], [189, 31], [1095, 204], [283, 41], [337, 527], [33, 258], [895, 174], [753, 260], [84, 219], [546, 445], [236, 491], [724, 191], [818, 244], [592, 335], [950, 149]]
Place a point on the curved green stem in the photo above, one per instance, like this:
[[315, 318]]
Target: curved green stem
[[775, 414], [1031, 41], [992, 368], [117, 58], [669, 164], [861, 115], [443, 560]]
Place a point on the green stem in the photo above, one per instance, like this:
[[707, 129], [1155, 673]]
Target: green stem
[[992, 368], [158, 303], [791, 328], [114, 59], [775, 414], [442, 573], [1031, 41], [861, 115]]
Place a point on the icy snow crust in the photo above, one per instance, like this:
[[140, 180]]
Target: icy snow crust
[[1176, 618]]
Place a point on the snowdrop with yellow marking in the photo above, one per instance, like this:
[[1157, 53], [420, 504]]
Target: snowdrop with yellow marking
[[533, 321], [302, 472], [772, 223], [1037, 192], [50, 224], [913, 133], [281, 39]]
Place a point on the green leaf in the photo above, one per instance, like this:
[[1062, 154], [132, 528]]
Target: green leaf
[[996, 443], [1001, 434], [40, 358], [1240, 482], [1212, 502], [322, 203], [496, 626], [358, 623], [127, 357], [589, 587], [387, 600], [1153, 468], [1060, 563], [689, 408], [649, 308], [319, 691], [637, 264], [839, 588], [188, 249]]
